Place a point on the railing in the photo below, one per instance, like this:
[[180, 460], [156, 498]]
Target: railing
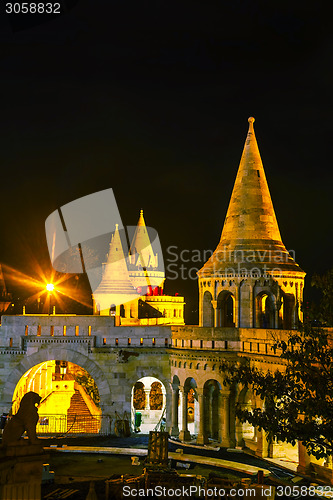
[[161, 424], [76, 424]]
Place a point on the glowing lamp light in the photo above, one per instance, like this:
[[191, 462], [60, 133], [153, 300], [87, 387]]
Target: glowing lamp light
[[50, 287]]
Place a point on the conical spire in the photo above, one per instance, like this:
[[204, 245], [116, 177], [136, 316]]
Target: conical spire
[[141, 252], [250, 234], [115, 280]]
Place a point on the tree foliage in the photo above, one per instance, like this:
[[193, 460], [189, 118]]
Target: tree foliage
[[297, 402], [88, 383], [297, 399], [139, 396], [156, 396]]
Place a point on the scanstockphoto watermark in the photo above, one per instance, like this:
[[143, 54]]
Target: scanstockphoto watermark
[[197, 491], [184, 263]]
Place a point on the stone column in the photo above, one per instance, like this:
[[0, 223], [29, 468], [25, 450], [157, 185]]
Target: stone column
[[202, 436], [147, 394], [239, 434], [174, 431], [216, 313], [263, 449], [225, 404], [236, 309], [184, 434], [304, 459]]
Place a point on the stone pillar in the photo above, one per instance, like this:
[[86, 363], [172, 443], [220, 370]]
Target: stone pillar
[[184, 434], [263, 449], [202, 437], [216, 313], [236, 307], [174, 431], [225, 404], [239, 433], [304, 459], [21, 471], [147, 394]]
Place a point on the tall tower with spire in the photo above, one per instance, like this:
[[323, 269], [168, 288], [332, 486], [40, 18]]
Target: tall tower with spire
[[250, 280], [144, 270], [115, 294], [131, 288]]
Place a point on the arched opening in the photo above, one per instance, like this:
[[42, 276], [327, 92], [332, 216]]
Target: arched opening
[[225, 309], [287, 312], [122, 311], [245, 432], [112, 310], [212, 421], [70, 398], [190, 406], [265, 311], [207, 310], [148, 404]]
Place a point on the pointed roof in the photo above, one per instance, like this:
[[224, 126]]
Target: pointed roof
[[250, 235], [115, 280], [141, 252]]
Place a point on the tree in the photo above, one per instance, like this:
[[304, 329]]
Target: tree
[[297, 398], [297, 402], [88, 383]]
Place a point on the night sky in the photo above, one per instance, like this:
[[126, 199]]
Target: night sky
[[152, 100]]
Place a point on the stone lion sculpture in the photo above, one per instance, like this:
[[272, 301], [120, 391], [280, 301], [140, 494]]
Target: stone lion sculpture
[[25, 420]]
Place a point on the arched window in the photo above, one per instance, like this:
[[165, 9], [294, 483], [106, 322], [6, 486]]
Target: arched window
[[225, 309], [207, 310], [139, 396], [156, 396]]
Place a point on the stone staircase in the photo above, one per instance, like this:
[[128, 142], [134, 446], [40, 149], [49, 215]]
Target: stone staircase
[[79, 418]]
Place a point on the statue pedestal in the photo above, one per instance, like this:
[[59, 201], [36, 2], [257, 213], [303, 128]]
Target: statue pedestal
[[21, 471]]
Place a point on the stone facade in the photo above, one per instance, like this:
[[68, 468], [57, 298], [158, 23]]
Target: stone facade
[[116, 357]]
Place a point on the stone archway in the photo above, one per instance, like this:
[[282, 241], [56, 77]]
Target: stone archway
[[66, 355], [148, 404], [265, 310], [69, 398], [188, 402], [287, 311], [245, 432], [225, 309], [212, 412], [207, 309]]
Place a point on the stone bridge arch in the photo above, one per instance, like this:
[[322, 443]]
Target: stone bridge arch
[[41, 356]]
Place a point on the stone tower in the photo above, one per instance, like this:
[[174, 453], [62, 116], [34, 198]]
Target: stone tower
[[250, 281], [144, 270], [116, 293]]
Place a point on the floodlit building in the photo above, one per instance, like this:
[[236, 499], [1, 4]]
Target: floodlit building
[[141, 355]]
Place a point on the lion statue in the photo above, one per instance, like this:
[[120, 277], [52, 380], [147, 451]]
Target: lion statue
[[25, 420]]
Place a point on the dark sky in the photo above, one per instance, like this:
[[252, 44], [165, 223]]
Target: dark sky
[[152, 99]]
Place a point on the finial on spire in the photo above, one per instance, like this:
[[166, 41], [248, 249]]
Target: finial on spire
[[251, 119], [117, 227], [141, 212]]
